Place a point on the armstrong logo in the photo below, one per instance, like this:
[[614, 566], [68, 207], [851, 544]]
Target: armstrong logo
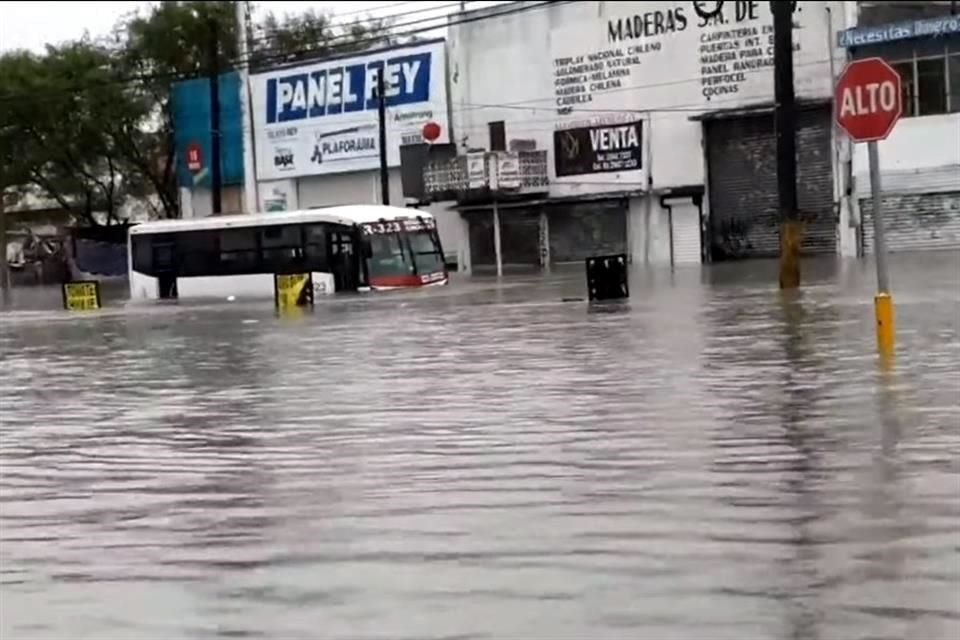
[[283, 159]]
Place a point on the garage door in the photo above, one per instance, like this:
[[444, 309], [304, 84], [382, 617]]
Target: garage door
[[915, 222], [519, 238], [584, 229], [744, 213], [685, 218]]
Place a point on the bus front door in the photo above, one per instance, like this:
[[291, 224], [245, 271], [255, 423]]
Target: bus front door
[[344, 263]]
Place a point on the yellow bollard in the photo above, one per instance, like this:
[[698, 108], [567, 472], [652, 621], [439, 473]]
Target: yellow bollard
[[886, 329], [791, 235]]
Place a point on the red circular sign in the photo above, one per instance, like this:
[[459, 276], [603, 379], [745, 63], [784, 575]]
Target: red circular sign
[[868, 99], [431, 131], [194, 157]]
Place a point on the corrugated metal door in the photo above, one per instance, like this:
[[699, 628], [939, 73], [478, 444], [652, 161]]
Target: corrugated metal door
[[686, 233], [744, 214], [584, 229], [519, 238], [915, 222]]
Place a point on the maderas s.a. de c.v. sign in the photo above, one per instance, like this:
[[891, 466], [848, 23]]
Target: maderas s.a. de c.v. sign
[[320, 118]]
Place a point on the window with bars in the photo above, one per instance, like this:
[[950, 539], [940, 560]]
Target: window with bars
[[931, 84]]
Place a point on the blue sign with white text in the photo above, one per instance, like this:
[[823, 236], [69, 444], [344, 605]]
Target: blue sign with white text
[[320, 117], [349, 88], [942, 26]]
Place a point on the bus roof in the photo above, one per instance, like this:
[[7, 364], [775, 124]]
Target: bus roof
[[346, 215]]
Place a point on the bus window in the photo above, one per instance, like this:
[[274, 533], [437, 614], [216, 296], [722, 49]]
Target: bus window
[[197, 253], [281, 248], [315, 247], [142, 254], [238, 251]]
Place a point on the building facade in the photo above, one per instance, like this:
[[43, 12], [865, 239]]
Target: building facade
[[575, 129], [315, 132], [657, 122], [920, 160]]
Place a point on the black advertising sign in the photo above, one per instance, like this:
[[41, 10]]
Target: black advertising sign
[[598, 149]]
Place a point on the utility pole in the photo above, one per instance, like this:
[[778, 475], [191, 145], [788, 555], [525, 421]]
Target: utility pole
[[251, 200], [785, 123], [382, 114], [215, 177], [4, 265]]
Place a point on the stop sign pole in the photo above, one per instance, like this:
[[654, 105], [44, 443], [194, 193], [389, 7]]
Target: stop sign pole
[[868, 104]]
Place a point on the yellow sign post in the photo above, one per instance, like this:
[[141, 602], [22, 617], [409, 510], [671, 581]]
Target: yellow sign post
[[292, 290], [81, 296]]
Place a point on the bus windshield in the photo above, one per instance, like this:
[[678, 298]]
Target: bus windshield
[[388, 258], [425, 247], [404, 252]]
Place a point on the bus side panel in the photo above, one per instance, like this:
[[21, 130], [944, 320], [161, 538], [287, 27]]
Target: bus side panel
[[323, 283], [143, 287], [253, 285]]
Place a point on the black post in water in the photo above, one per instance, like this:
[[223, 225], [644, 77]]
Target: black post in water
[[785, 123], [382, 113], [215, 177]]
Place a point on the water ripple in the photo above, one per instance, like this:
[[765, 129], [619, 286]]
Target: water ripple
[[710, 459]]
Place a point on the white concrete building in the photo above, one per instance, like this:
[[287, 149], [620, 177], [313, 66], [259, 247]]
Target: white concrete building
[[568, 78], [920, 160]]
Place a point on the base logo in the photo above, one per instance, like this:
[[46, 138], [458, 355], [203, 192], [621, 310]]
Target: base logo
[[283, 159]]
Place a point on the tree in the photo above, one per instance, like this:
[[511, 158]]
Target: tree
[[172, 40], [58, 104], [89, 124]]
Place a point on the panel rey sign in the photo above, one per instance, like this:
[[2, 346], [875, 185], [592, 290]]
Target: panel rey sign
[[321, 117], [598, 149]]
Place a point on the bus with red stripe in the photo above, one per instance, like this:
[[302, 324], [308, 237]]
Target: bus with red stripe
[[345, 248]]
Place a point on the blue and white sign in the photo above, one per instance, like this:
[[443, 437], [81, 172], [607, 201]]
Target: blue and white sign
[[923, 28], [322, 117]]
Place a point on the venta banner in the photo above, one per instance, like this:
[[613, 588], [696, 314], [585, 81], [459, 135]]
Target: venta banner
[[598, 149], [321, 117]]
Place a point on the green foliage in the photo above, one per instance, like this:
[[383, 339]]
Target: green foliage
[[313, 35], [61, 108], [89, 124]]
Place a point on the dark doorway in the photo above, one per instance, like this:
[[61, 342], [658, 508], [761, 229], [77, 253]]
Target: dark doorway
[[165, 268], [344, 260]]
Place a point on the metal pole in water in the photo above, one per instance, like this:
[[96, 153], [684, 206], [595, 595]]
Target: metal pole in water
[[4, 265], [216, 182], [883, 302], [382, 120], [785, 124], [496, 238]]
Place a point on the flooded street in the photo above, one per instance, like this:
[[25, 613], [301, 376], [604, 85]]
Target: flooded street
[[708, 460]]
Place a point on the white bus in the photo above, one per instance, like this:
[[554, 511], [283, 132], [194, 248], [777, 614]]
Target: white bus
[[347, 248]]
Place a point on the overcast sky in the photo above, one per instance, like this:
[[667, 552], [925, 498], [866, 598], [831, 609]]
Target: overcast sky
[[30, 25]]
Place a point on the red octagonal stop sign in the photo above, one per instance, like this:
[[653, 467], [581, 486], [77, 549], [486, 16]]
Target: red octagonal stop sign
[[868, 99]]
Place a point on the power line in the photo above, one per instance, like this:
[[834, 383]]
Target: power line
[[372, 19], [348, 46]]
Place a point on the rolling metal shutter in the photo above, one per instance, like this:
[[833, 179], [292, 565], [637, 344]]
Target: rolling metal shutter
[[584, 229], [519, 237], [915, 222], [744, 213], [686, 233]]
